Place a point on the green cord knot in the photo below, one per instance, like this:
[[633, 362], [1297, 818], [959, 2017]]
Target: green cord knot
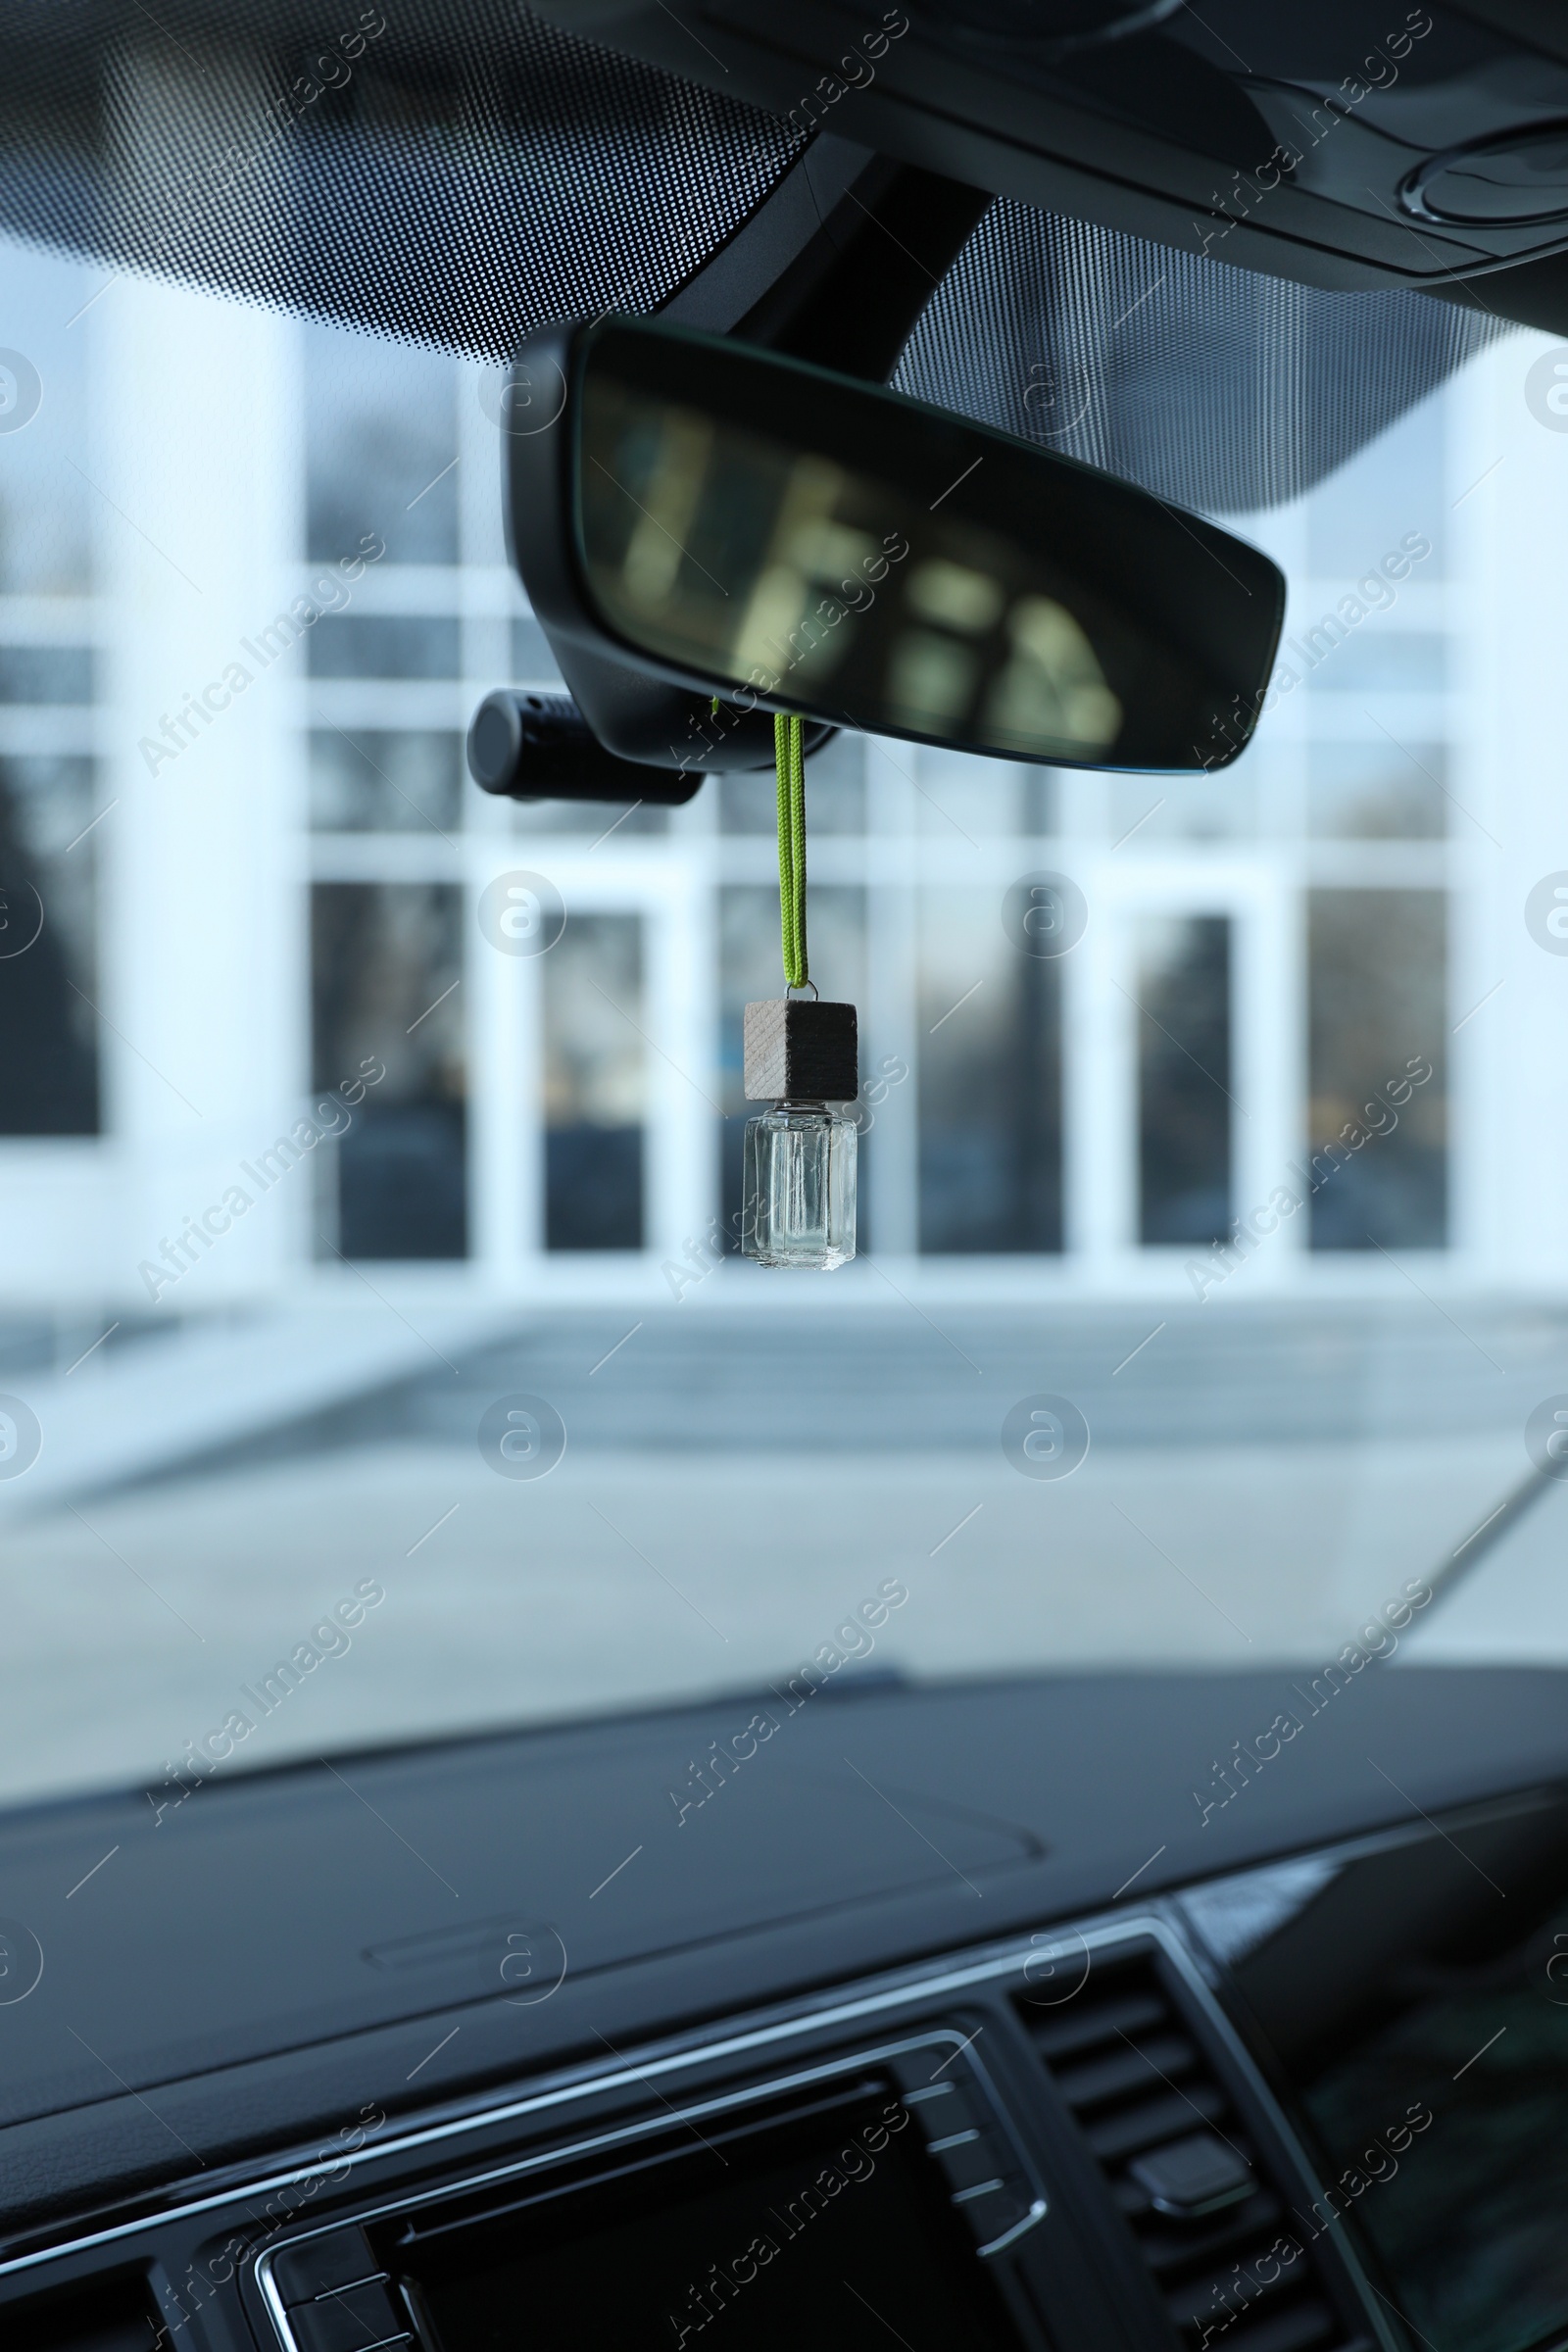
[[789, 756]]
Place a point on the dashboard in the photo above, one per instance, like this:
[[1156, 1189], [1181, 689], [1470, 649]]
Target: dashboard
[[1161, 2025]]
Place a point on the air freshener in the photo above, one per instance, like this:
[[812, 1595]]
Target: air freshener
[[801, 1155], [802, 1055]]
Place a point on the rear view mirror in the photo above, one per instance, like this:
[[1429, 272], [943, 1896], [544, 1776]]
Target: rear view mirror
[[720, 517]]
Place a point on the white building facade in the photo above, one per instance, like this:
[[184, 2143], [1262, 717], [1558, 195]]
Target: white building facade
[[251, 586]]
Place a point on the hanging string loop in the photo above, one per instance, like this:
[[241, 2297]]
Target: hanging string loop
[[789, 759]]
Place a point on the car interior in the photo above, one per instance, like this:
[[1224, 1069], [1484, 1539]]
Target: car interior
[[651, 648]]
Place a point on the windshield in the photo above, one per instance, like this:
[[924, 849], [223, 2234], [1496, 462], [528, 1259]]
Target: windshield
[[377, 1360]]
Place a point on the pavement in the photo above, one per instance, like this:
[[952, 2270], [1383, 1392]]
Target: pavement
[[731, 1489]]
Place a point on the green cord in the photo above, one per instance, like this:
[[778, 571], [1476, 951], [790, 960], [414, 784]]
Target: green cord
[[790, 760]]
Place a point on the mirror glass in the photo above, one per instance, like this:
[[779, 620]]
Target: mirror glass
[[751, 523]]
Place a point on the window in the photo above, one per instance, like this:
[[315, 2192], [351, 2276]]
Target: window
[[386, 961], [48, 949], [381, 435], [1375, 791], [50, 673], [383, 646], [990, 1085], [375, 782], [595, 1084], [1184, 1079], [1378, 1020]]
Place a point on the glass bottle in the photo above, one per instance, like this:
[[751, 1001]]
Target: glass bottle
[[800, 1175]]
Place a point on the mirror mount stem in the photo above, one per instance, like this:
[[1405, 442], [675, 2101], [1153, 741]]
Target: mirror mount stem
[[838, 263]]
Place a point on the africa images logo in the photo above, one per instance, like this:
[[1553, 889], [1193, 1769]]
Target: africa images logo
[[1546, 389], [1546, 913]]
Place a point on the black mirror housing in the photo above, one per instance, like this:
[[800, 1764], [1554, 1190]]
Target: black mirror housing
[[699, 521]]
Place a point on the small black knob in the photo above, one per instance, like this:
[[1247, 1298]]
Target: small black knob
[[495, 743]]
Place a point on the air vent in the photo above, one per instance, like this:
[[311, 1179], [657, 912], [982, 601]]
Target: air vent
[[1184, 2171]]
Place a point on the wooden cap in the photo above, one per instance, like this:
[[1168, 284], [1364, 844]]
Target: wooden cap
[[797, 1051]]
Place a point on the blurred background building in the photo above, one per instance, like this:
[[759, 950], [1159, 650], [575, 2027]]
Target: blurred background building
[[236, 922]]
